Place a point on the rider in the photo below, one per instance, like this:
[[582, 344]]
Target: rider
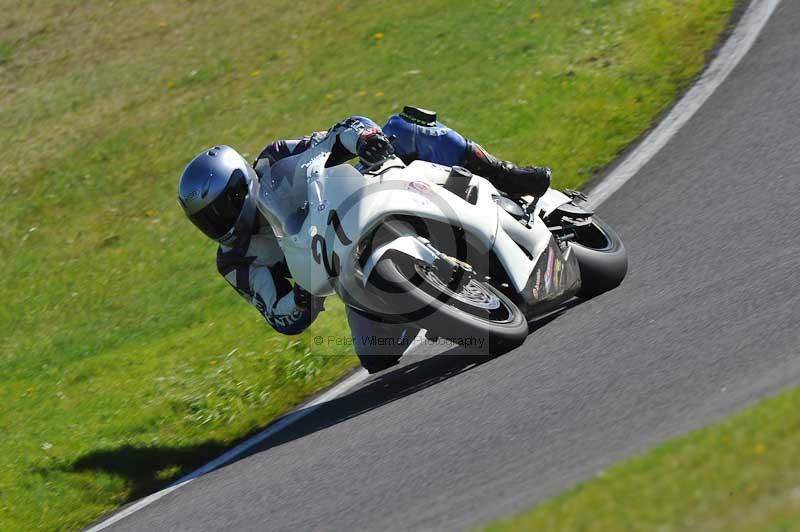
[[215, 191]]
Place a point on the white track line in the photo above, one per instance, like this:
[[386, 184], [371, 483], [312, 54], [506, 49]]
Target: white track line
[[300, 412], [729, 56], [732, 52], [240, 449]]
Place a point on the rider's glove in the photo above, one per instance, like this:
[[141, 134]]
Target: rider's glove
[[306, 301], [373, 146]]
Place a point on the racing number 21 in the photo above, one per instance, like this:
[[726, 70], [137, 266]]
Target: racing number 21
[[319, 246]]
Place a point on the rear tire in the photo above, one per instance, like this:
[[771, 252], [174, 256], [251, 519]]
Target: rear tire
[[602, 258], [474, 315]]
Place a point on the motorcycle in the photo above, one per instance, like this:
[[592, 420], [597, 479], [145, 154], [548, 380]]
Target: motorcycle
[[436, 247]]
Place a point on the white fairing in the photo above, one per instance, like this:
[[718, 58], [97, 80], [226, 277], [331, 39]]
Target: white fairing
[[551, 200], [344, 205]]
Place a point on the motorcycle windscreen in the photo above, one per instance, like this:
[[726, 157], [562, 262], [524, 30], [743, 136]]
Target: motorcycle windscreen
[[283, 197]]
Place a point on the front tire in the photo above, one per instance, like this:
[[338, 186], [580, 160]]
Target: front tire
[[471, 313]]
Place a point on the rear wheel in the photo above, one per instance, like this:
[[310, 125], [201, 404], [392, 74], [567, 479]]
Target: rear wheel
[[451, 303], [602, 258]]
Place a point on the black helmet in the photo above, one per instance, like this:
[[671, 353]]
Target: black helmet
[[217, 191]]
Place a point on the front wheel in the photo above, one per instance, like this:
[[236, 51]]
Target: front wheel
[[602, 258], [463, 309]]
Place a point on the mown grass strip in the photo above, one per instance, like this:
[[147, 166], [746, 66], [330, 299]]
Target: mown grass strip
[[125, 359]]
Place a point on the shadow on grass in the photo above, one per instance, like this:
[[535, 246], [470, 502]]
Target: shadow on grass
[[147, 468], [151, 468]]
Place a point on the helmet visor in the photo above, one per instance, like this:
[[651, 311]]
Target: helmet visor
[[219, 216]]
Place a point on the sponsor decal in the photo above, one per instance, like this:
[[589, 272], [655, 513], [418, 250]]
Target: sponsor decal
[[420, 186], [279, 321], [558, 270], [259, 303], [285, 320], [370, 131], [537, 284], [313, 160], [548, 274]]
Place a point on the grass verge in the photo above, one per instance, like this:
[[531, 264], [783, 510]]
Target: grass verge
[[125, 359], [739, 475]]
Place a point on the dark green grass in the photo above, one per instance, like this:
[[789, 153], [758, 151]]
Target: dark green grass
[[125, 358]]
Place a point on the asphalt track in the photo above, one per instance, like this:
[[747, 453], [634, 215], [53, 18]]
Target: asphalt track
[[706, 323]]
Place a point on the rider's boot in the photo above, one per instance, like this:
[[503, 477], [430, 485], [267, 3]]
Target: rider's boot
[[505, 175]]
